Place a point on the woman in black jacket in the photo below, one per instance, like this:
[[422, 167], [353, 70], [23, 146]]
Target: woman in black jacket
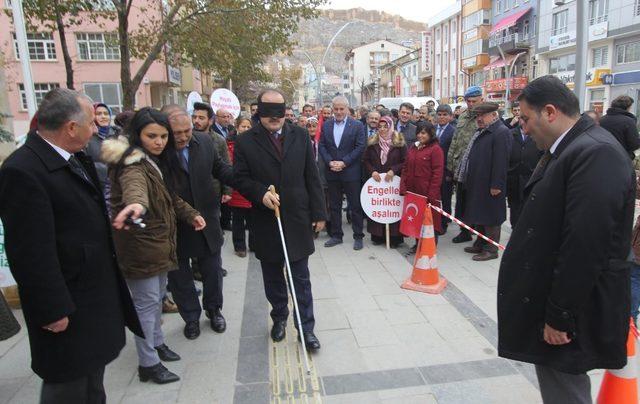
[[622, 124]]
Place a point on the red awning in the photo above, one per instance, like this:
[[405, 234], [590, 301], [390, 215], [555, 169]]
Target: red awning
[[509, 21], [499, 62]]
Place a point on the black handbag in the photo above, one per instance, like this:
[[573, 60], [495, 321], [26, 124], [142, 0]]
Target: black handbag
[[9, 326]]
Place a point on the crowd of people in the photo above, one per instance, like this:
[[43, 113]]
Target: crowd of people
[[123, 210]]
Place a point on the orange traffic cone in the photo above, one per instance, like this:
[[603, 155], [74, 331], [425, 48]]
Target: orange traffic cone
[[425, 277], [620, 386]]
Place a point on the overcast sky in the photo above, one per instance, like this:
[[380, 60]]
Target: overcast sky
[[415, 10]]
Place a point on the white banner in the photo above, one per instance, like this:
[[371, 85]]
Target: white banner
[[381, 201]]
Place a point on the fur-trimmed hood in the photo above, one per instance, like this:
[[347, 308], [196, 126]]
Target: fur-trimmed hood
[[397, 140], [112, 151]]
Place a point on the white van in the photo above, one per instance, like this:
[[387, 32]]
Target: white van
[[417, 102]]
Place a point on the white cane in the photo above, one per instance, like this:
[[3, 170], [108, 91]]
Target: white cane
[[289, 281]]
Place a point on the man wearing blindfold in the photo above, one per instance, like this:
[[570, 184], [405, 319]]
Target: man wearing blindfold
[[277, 153]]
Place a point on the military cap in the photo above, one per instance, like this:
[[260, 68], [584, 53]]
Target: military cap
[[473, 91]]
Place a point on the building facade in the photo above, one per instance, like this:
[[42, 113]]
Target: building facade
[[364, 63], [511, 48], [96, 63], [476, 27], [448, 79]]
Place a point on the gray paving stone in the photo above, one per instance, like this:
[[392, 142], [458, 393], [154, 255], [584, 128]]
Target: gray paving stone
[[378, 380], [257, 393], [454, 372], [340, 353]]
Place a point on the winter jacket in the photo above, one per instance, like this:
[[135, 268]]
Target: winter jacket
[[622, 125]]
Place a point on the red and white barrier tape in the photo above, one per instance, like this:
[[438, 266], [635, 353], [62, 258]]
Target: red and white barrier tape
[[487, 239]]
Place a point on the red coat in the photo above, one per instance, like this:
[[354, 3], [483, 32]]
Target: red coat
[[422, 174], [237, 200]]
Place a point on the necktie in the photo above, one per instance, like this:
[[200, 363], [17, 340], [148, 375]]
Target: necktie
[[183, 160], [439, 132], [542, 164], [77, 168]]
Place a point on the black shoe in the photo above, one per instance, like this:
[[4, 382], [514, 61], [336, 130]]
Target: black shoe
[[333, 241], [166, 354], [278, 331], [357, 244], [157, 374], [224, 272], [192, 329], [218, 323], [463, 237], [311, 341]]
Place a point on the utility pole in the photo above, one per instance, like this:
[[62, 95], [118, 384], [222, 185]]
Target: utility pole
[[582, 49], [325, 55], [21, 37]]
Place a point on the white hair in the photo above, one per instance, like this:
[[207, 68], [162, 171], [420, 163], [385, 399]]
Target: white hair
[[340, 100]]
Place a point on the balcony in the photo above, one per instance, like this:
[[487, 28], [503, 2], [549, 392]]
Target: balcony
[[512, 43]]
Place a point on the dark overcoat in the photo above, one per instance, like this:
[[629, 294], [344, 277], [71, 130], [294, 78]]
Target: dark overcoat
[[60, 251], [622, 125], [350, 150], [199, 189], [523, 159], [565, 264], [488, 169], [258, 164]]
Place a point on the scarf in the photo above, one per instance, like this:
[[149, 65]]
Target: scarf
[[461, 173], [385, 145]]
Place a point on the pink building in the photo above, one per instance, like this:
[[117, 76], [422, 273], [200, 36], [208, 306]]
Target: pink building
[[96, 64]]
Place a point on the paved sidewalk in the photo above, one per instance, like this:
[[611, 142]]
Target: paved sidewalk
[[380, 343]]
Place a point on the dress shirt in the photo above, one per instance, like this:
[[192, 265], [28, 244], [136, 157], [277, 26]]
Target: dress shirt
[[222, 129], [338, 130], [555, 144], [440, 129], [62, 152], [370, 131]]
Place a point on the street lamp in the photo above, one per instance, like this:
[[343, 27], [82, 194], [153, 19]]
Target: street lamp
[[315, 70], [326, 51], [507, 91]]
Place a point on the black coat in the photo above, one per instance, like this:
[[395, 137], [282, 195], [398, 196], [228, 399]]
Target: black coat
[[565, 264], [488, 169], [523, 159], [60, 251], [622, 125], [198, 189], [445, 141], [409, 133], [256, 165]]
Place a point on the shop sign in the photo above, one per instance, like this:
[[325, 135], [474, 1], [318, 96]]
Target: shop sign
[[562, 40], [500, 85], [594, 77], [598, 31]]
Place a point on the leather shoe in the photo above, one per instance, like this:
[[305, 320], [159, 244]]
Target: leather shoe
[[157, 374], [192, 329], [218, 323], [333, 241], [463, 237], [278, 331], [166, 354], [357, 244], [310, 341], [473, 249], [241, 253], [485, 256]]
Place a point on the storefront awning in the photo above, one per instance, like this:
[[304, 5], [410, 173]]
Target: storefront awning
[[499, 62], [509, 21]]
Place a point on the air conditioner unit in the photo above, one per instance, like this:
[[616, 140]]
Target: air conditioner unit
[[559, 2], [145, 80]]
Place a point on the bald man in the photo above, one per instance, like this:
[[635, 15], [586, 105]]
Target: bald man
[[223, 123]]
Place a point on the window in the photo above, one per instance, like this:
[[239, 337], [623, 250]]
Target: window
[[478, 18], [564, 63], [454, 26], [108, 93], [637, 8], [600, 56], [438, 34], [446, 60], [499, 6], [98, 46], [445, 34], [437, 59], [379, 58], [453, 55], [452, 83], [40, 45], [41, 89], [477, 79], [472, 48], [444, 86], [560, 22], [415, 70], [598, 10], [596, 99], [628, 52]]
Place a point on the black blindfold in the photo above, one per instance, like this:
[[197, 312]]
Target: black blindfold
[[271, 109]]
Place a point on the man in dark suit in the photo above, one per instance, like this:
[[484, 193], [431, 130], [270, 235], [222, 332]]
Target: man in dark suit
[[404, 125], [373, 118], [522, 161], [342, 144], [279, 154], [58, 242], [563, 285], [200, 164], [444, 133]]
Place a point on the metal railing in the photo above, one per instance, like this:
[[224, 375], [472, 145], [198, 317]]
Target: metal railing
[[518, 37]]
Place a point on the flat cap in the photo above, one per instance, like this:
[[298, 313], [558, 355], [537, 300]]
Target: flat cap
[[485, 108], [444, 108], [473, 91]]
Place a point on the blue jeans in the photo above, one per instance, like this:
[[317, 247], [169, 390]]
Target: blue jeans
[[635, 290]]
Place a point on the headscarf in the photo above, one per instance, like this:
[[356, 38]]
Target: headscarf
[[385, 144], [103, 130]]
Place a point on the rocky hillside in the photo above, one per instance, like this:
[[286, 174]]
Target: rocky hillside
[[366, 26]]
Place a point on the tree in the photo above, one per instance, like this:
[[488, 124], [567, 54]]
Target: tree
[[229, 37], [288, 82], [58, 16]]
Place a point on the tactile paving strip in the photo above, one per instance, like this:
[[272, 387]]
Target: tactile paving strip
[[288, 377]]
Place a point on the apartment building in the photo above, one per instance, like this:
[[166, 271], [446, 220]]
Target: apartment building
[[476, 27], [96, 63], [364, 66], [448, 78], [511, 48]]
